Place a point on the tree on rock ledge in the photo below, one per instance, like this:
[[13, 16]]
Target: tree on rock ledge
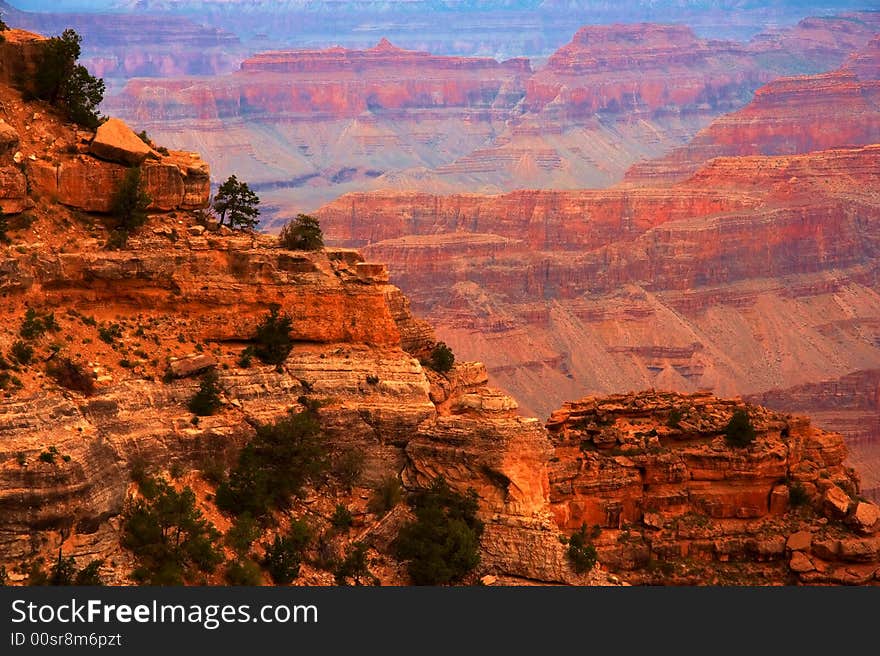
[[236, 205], [302, 234], [66, 84]]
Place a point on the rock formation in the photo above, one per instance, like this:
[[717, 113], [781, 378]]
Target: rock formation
[[144, 322], [676, 503], [712, 283], [305, 126], [786, 117]]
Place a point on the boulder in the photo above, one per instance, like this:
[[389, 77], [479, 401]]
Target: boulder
[[8, 138], [799, 541], [836, 501], [116, 142], [800, 562], [191, 365], [866, 518]]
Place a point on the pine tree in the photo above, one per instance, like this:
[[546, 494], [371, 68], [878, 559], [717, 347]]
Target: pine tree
[[236, 205]]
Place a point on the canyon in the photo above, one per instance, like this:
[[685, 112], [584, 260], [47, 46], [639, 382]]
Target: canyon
[[755, 273], [668, 497], [306, 125]]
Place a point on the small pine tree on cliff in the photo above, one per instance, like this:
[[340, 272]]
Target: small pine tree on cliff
[[3, 25], [442, 545], [302, 234], [129, 206], [236, 205], [66, 84]]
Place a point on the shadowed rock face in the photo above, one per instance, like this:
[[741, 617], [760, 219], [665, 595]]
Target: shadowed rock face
[[674, 503]]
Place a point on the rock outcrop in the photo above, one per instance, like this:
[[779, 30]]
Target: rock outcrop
[[78, 168], [675, 503]]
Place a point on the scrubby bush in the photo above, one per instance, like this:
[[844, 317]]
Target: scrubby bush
[[36, 324], [168, 535], [341, 519], [71, 375], [674, 419], [21, 352], [275, 465], [4, 226], [386, 496], [355, 567], [272, 342], [581, 552], [242, 534], [442, 358], [442, 545], [243, 571], [206, 401], [739, 431], [348, 467], [285, 554], [302, 234]]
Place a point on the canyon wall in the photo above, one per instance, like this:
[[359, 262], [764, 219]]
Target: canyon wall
[[305, 126]]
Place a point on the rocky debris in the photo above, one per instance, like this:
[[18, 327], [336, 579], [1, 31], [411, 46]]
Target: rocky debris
[[116, 142], [191, 365], [13, 191], [9, 138]]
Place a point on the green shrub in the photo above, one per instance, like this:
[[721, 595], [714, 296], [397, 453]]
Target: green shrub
[[242, 534], [21, 352], [348, 467], [247, 355], [49, 456], [442, 358], [275, 465], [35, 325], [128, 207], [302, 234], [674, 419], [4, 226], [442, 545], [206, 401], [64, 572], [341, 519], [581, 552], [243, 571], [272, 341], [109, 334], [355, 567], [739, 431], [284, 555], [71, 375], [386, 496], [168, 535]]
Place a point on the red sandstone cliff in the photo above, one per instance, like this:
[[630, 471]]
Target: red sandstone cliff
[[786, 117], [309, 125]]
